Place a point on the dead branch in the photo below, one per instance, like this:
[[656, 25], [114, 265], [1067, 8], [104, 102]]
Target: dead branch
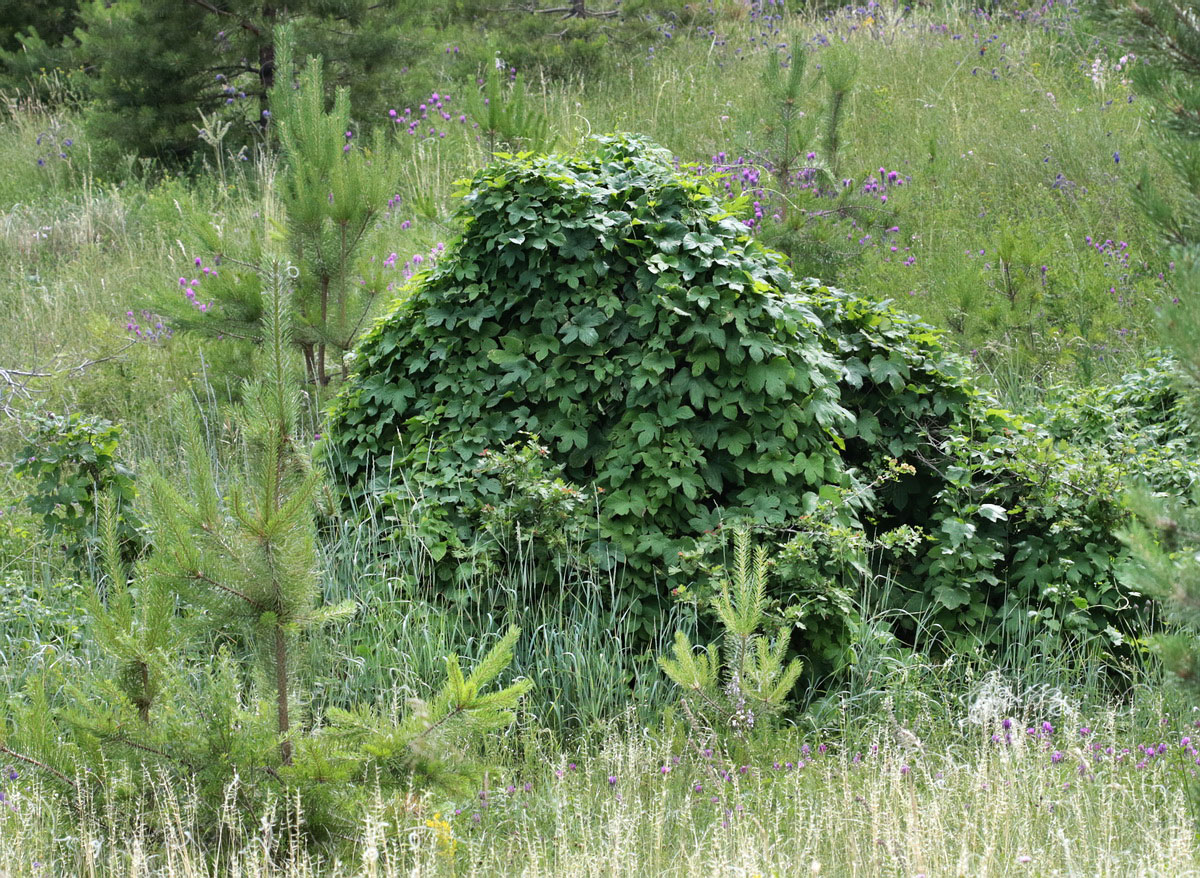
[[19, 383], [577, 10]]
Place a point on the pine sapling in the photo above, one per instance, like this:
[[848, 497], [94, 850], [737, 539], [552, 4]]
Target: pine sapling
[[742, 683]]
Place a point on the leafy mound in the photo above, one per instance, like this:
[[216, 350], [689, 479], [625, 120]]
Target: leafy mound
[[614, 307], [1020, 523]]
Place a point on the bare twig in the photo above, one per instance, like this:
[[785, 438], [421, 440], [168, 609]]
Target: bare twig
[[574, 11], [243, 23], [17, 383]]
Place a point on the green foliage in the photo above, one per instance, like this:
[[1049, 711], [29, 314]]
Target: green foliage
[[611, 306], [1166, 39], [743, 685], [152, 72], [52, 20], [502, 115], [249, 556], [234, 565], [422, 742], [36, 38], [537, 516], [1142, 425], [839, 71], [680, 374], [331, 192], [157, 64], [330, 189], [560, 41], [807, 212], [74, 460], [1021, 528], [816, 573]]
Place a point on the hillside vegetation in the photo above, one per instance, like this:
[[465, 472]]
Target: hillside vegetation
[[643, 438]]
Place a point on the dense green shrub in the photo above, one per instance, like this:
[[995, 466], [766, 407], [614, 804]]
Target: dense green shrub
[[1142, 424], [614, 308], [1021, 527], [607, 303]]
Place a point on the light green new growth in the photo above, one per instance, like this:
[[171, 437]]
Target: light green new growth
[[139, 635], [251, 559], [754, 678], [505, 119], [421, 742], [331, 189]]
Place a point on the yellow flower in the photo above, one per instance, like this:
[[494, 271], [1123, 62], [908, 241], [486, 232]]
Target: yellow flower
[[443, 835]]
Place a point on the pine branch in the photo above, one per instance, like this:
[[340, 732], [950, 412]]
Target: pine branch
[[243, 23], [49, 769]]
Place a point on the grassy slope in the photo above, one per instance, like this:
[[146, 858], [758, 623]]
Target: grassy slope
[[984, 154]]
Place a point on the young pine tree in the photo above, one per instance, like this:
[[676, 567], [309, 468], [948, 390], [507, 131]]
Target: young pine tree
[[330, 190], [249, 557], [234, 572], [741, 685], [1163, 38]]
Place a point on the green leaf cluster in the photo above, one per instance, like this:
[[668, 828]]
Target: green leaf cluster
[[74, 461], [1021, 521], [608, 304]]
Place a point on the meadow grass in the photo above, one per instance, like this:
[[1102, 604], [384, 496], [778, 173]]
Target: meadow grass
[[1005, 132], [1015, 231], [1078, 800]]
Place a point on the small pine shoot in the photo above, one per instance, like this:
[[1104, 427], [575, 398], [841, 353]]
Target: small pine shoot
[[505, 118], [422, 743], [743, 683]]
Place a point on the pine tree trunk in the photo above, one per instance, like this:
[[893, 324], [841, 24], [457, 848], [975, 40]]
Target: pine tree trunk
[[310, 361], [144, 706], [266, 59], [281, 695], [322, 378]]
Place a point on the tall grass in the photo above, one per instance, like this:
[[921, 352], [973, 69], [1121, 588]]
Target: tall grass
[[1042, 805], [982, 114]]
